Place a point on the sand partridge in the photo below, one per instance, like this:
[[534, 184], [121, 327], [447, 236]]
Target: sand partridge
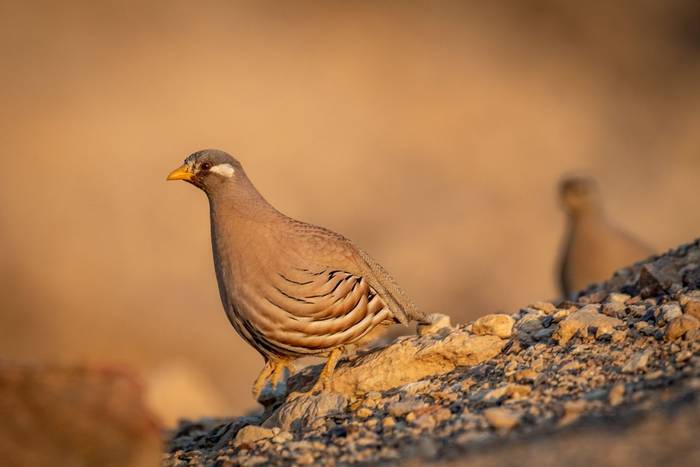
[[289, 288], [593, 247]]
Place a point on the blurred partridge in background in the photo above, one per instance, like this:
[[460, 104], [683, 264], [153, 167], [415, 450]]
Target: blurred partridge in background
[[594, 247], [290, 289]]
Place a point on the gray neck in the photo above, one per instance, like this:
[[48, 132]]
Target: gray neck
[[238, 205]]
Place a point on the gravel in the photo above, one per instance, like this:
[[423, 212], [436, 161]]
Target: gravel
[[623, 355]]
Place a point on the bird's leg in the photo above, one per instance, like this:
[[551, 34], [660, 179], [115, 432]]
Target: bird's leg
[[324, 379], [262, 378], [278, 370]]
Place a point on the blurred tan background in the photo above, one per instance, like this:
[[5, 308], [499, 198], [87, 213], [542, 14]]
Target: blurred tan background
[[445, 125]]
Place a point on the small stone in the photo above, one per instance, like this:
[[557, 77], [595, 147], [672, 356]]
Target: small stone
[[616, 394], [424, 422], [388, 422], [691, 304], [528, 375], [677, 327], [579, 322], [372, 422], [614, 309], [499, 325], [509, 391], [618, 336], [617, 298], [572, 411], [305, 458], [684, 355], [571, 366], [467, 384], [543, 334], [638, 362], [561, 315], [495, 394], [442, 414], [531, 322], [410, 417], [501, 418], [399, 409], [252, 433], [282, 437], [547, 307], [436, 322], [304, 409], [415, 388], [255, 460], [364, 412], [670, 311]]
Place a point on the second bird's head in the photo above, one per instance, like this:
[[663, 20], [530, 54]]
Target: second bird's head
[[209, 170], [579, 194]]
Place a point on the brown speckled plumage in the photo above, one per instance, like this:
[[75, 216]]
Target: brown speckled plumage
[[289, 288]]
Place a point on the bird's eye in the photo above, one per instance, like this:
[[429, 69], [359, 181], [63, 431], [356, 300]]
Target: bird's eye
[[205, 166]]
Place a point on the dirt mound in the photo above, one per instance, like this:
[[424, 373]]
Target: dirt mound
[[612, 379]]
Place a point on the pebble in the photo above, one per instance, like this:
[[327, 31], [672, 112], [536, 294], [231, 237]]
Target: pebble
[[499, 325], [614, 309], [619, 363], [578, 323], [616, 394], [436, 322], [251, 434], [501, 418], [618, 336], [691, 305], [305, 459], [528, 375], [531, 322], [388, 422], [399, 409], [638, 362], [679, 326], [424, 422], [683, 355], [547, 307], [283, 437], [670, 311], [618, 298]]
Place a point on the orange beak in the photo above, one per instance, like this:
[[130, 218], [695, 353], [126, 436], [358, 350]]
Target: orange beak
[[181, 173]]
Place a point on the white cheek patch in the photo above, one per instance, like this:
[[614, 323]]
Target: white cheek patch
[[225, 170]]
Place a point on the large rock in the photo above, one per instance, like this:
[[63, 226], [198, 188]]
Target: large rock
[[252, 433], [407, 360], [304, 409]]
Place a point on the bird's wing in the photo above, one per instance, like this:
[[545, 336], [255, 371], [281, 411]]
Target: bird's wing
[[317, 306], [334, 269]]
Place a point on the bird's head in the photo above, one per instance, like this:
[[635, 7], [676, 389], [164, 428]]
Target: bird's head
[[208, 170], [579, 194]]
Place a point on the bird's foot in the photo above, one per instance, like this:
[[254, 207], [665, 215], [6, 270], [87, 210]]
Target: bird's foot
[[278, 371], [262, 378], [324, 381], [272, 372]]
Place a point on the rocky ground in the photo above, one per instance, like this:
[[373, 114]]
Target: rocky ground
[[610, 378]]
